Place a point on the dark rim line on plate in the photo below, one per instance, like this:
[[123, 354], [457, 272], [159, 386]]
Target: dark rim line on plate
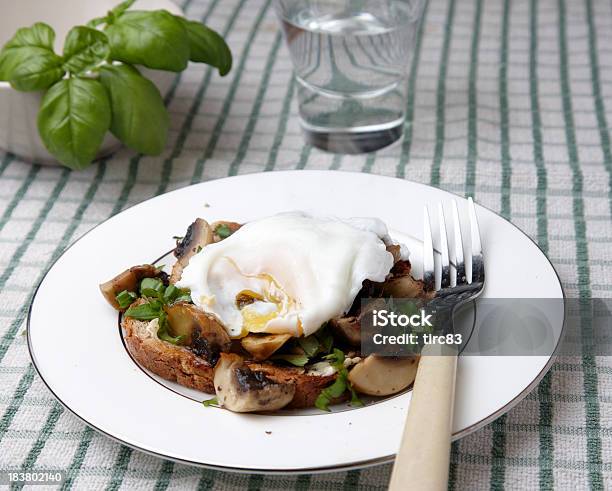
[[311, 470]]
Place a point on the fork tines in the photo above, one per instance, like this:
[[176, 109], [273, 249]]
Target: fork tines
[[452, 252]]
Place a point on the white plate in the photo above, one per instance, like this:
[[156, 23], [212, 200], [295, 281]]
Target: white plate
[[78, 351]]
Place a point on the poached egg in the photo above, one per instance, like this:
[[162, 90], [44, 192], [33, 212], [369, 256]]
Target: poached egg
[[288, 273]]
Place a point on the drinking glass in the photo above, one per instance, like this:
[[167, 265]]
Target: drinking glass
[[351, 60]]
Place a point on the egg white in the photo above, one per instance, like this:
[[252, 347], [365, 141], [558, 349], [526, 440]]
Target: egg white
[[288, 273]]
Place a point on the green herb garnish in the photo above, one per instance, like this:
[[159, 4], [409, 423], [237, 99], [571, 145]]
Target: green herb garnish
[[223, 231], [325, 339], [174, 294], [310, 345], [157, 296], [125, 299], [93, 87], [329, 393], [152, 287], [184, 296], [171, 293], [211, 402], [355, 401], [340, 385], [145, 311], [162, 331], [317, 343]]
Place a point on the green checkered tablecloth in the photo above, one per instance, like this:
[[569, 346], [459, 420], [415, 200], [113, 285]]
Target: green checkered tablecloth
[[509, 101]]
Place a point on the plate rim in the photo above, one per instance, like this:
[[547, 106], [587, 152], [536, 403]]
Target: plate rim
[[320, 469]]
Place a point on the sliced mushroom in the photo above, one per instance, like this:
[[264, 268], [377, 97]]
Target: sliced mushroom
[[404, 287], [349, 328], [395, 251], [201, 332], [128, 280], [262, 347], [401, 268], [380, 376], [243, 390], [221, 230], [199, 234]]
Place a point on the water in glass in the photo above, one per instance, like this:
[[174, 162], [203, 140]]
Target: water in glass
[[351, 60]]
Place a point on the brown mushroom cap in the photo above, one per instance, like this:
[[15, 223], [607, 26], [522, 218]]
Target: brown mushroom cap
[[349, 328], [128, 280], [262, 347], [199, 234], [201, 332], [404, 287], [240, 389]]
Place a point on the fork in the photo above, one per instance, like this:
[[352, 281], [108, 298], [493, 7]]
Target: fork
[[423, 458]]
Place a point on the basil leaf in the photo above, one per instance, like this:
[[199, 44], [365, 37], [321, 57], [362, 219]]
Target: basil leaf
[[122, 7], [37, 71], [125, 298], [355, 401], [211, 402], [340, 385], [112, 14], [297, 360], [337, 388], [155, 39], [73, 118], [184, 297], [329, 393], [223, 231], [152, 287], [97, 21], [164, 336], [326, 339], [162, 331], [27, 60], [174, 294], [171, 293], [153, 283], [322, 402], [84, 48], [336, 358], [310, 345], [207, 46], [38, 35], [144, 312], [140, 119]]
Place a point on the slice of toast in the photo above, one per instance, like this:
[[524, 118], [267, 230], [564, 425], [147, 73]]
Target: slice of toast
[[307, 386], [174, 363], [179, 364]]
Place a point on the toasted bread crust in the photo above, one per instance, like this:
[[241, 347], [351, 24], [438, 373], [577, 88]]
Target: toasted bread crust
[[173, 363], [307, 387], [180, 365]]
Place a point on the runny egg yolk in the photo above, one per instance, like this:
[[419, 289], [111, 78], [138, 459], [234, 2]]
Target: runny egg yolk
[[256, 316], [259, 308]]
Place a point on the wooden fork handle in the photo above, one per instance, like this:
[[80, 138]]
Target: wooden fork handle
[[423, 457]]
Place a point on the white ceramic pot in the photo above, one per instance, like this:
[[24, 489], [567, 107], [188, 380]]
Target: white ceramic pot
[[18, 110]]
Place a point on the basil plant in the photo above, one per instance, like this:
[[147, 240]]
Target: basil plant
[[94, 86]]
